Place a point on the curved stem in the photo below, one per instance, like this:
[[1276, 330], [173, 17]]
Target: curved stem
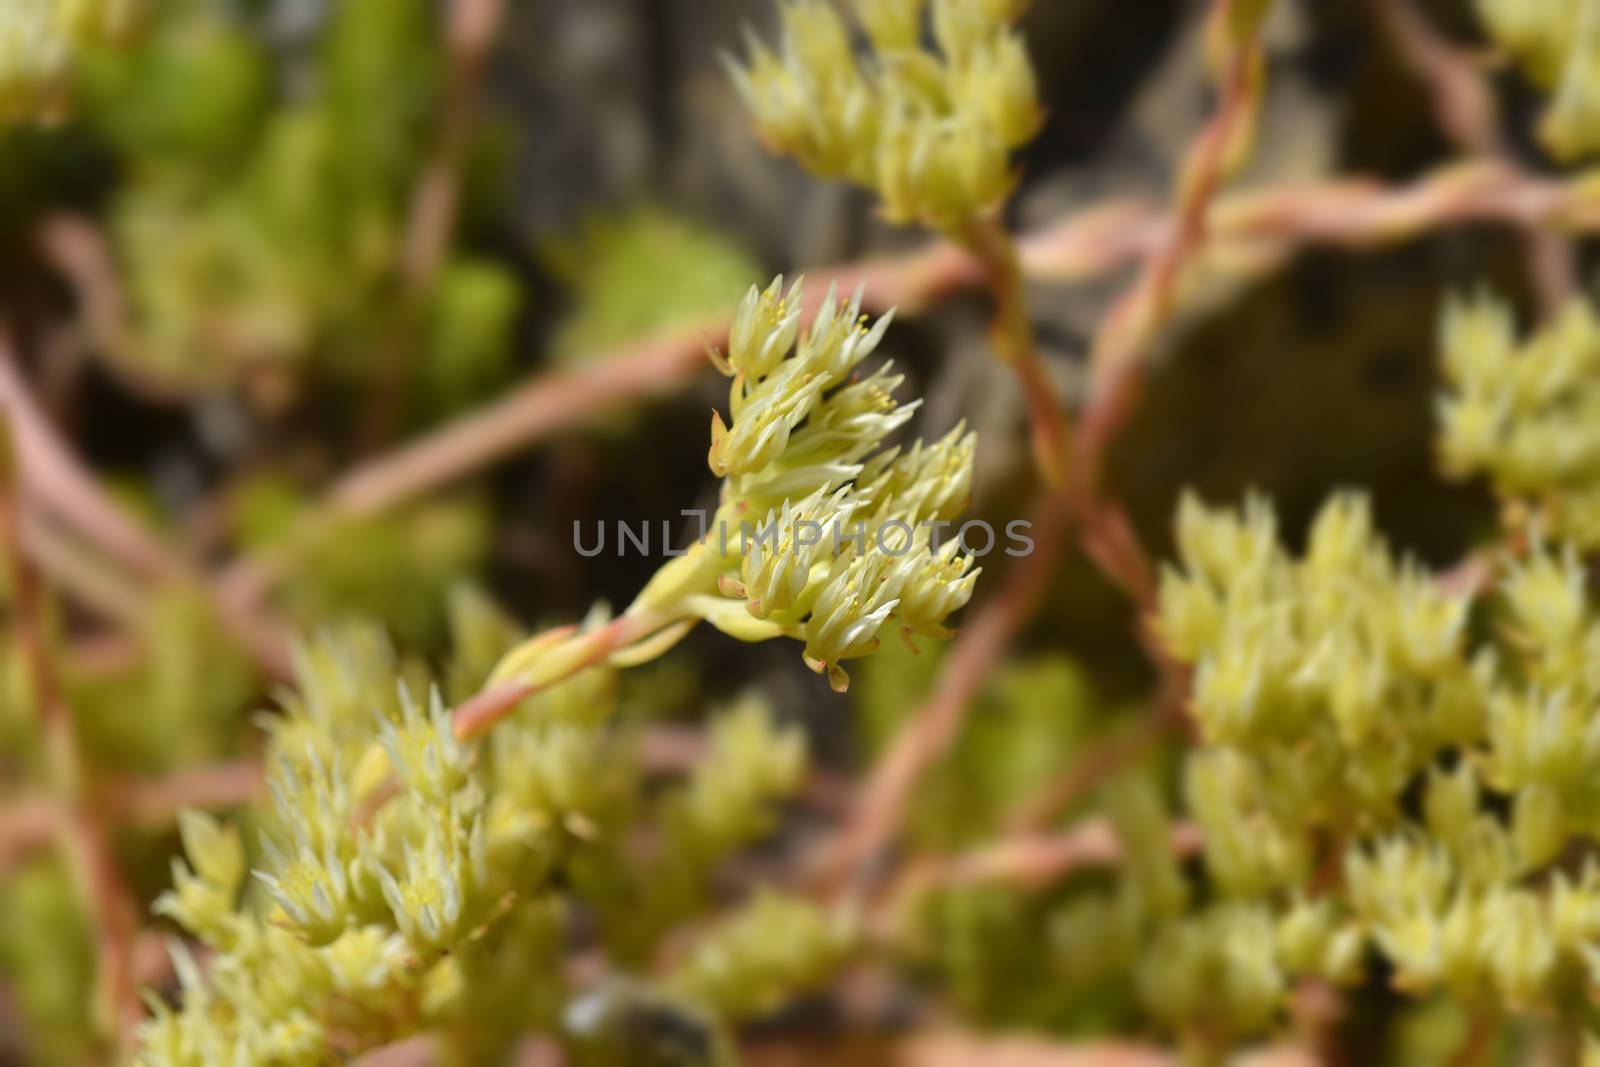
[[551, 658]]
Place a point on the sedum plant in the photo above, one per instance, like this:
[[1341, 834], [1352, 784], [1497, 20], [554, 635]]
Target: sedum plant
[[406, 880], [1377, 778], [404, 848], [930, 130], [1524, 414], [1390, 783], [398, 566], [823, 532]]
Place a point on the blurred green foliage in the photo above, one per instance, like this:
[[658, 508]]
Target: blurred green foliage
[[43, 938], [611, 267], [398, 567], [1025, 724]]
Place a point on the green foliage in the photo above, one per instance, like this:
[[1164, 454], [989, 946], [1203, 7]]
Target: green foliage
[[173, 705], [1025, 725], [467, 330], [1062, 957], [611, 268], [264, 237], [170, 699], [48, 959], [1215, 974], [187, 102], [725, 805], [759, 959], [241, 275], [1045, 961], [380, 64], [398, 567]]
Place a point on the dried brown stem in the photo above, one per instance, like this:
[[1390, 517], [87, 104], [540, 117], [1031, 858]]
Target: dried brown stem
[[28, 822], [106, 590], [963, 1050], [57, 484], [477, 714], [79, 250], [944, 1046], [471, 28]]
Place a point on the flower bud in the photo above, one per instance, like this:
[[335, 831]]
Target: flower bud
[[849, 612], [997, 81], [764, 329], [893, 25], [940, 584], [939, 170], [1538, 827], [780, 554], [432, 895], [423, 749]]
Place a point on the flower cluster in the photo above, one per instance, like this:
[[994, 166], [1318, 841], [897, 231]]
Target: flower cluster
[[1372, 777], [1344, 663], [400, 843], [405, 877], [823, 533], [846, 545], [39, 45], [1528, 415], [1557, 43], [931, 130]]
